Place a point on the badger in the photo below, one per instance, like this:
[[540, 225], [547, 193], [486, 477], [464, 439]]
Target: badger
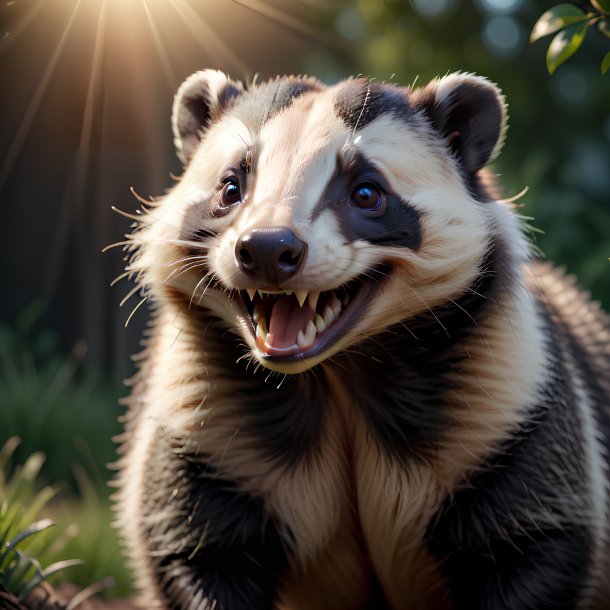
[[359, 390]]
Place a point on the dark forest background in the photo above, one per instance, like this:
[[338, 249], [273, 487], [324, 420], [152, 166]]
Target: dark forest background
[[87, 88]]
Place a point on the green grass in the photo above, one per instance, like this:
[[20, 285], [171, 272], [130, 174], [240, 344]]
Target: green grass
[[42, 529], [87, 518], [53, 482], [55, 404], [24, 536]]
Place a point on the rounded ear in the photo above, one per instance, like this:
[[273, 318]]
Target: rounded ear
[[470, 114], [201, 98]]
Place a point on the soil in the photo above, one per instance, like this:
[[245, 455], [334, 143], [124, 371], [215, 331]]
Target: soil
[[46, 598]]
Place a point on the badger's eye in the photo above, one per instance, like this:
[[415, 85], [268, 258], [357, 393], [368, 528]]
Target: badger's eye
[[230, 193], [367, 196]]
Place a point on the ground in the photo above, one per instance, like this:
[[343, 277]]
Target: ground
[[47, 598]]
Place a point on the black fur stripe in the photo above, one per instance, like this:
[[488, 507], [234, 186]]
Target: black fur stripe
[[399, 225], [286, 416], [359, 102], [264, 101], [594, 369], [536, 571], [497, 550], [400, 378], [208, 539]]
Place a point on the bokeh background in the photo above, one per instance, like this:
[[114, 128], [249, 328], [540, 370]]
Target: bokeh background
[[87, 88]]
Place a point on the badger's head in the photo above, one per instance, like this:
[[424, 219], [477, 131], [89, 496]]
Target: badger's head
[[310, 217]]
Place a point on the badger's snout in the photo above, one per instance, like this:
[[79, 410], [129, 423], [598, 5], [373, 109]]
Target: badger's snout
[[271, 255]]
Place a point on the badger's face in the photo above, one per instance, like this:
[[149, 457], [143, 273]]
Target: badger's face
[[312, 217]]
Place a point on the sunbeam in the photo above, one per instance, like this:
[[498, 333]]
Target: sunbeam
[[166, 67], [90, 87], [77, 186], [205, 36], [17, 31], [286, 20], [30, 113]]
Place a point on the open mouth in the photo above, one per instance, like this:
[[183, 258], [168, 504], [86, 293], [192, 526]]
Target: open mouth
[[294, 325]]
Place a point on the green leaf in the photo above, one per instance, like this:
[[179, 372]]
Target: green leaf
[[34, 528], [602, 5], [606, 63], [556, 19], [604, 27], [564, 45], [42, 575]]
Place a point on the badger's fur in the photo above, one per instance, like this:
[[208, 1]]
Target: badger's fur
[[441, 439]]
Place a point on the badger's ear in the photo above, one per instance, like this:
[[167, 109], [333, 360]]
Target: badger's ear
[[469, 112], [201, 98]]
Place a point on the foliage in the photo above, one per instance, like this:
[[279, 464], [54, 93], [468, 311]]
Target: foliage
[[79, 526], [23, 537], [63, 414], [87, 518], [53, 403], [570, 25]]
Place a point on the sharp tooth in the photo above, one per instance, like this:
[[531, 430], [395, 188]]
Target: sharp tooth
[[251, 293], [301, 295], [312, 299], [320, 323], [328, 315], [260, 293], [310, 333], [335, 304], [306, 339], [288, 292]]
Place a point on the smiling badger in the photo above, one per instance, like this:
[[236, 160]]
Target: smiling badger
[[358, 391]]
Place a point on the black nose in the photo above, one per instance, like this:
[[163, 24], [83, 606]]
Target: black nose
[[270, 254]]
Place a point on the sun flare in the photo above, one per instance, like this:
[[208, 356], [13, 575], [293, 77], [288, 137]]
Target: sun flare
[[92, 83]]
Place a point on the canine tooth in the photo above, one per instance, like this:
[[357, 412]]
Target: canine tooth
[[251, 293], [301, 295], [312, 299], [320, 323]]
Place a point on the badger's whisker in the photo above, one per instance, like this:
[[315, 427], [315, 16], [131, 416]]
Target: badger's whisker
[[184, 269], [199, 257], [118, 278], [133, 311], [130, 294], [137, 218]]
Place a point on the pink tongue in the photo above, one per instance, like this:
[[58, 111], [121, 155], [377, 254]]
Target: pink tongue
[[287, 319]]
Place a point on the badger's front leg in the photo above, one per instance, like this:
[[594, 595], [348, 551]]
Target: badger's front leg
[[546, 570], [212, 546], [523, 535]]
